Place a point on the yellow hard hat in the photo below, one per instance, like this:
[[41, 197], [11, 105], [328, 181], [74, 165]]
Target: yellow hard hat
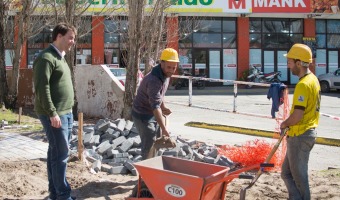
[[170, 55], [301, 52]]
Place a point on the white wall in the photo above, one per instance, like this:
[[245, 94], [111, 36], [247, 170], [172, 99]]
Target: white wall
[[98, 92]]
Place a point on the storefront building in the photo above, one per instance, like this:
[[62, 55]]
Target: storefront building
[[225, 38]]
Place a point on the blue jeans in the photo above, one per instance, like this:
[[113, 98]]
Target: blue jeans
[[295, 165], [57, 155], [148, 131]]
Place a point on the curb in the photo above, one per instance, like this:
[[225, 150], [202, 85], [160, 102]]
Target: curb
[[257, 132]]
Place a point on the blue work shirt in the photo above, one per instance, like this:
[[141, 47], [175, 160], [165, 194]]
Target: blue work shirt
[[150, 93]]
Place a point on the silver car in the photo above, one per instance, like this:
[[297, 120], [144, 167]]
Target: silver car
[[330, 81]]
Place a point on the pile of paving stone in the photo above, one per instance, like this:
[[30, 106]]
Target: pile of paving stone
[[113, 146]]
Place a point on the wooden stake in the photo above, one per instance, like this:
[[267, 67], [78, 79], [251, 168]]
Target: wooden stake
[[80, 136], [20, 112]]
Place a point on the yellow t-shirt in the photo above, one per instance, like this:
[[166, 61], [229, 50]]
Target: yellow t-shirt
[[306, 97]]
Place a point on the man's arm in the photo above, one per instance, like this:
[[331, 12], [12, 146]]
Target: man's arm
[[42, 73], [165, 111], [293, 119], [160, 120]]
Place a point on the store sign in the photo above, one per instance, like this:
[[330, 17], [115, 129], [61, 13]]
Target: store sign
[[218, 6], [281, 6]]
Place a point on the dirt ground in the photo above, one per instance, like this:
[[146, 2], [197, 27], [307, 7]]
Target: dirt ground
[[28, 180]]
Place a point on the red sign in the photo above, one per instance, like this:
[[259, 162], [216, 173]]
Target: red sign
[[231, 65], [186, 66], [321, 65], [281, 6]]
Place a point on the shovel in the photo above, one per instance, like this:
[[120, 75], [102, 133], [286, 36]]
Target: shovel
[[265, 164], [161, 142]]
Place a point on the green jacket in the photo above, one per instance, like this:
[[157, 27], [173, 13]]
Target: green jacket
[[52, 83]]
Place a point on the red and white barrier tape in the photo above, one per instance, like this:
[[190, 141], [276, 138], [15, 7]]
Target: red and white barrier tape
[[331, 116]]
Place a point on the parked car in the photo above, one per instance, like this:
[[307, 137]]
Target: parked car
[[330, 81], [120, 74]]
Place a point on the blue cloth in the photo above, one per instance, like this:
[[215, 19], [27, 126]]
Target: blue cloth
[[295, 165], [57, 155], [276, 94]]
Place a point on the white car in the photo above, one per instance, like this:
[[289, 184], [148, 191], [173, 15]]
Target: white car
[[330, 81], [120, 74]]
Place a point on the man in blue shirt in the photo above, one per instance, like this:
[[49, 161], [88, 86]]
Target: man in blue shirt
[[148, 106]]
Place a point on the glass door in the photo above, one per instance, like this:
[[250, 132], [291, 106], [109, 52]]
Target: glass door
[[199, 62], [282, 66], [214, 64], [320, 62], [268, 61], [333, 61], [273, 61], [229, 65]]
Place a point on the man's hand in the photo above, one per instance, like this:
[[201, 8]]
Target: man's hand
[[166, 111], [55, 121]]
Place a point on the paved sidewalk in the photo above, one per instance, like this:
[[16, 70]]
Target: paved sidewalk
[[248, 101], [14, 147]]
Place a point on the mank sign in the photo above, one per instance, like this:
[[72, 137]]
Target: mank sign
[[281, 6]]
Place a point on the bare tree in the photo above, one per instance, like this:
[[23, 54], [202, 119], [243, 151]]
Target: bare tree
[[146, 28], [3, 76]]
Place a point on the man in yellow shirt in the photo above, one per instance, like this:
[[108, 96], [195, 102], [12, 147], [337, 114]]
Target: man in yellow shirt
[[303, 119]]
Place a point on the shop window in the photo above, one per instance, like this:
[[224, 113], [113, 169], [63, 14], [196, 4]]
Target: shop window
[[321, 40], [185, 40], [229, 26], [115, 32], [229, 40], [333, 26], [185, 62], [84, 56], [32, 55], [207, 40], [9, 57], [320, 26], [255, 26], [207, 26], [254, 40], [296, 38], [296, 26], [333, 41], [111, 56]]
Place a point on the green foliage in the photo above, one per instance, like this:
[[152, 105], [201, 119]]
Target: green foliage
[[245, 74], [28, 120]]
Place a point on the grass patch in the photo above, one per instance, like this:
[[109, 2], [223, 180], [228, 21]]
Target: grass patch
[[28, 121]]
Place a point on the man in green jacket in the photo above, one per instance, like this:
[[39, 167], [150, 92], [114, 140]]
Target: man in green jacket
[[54, 99]]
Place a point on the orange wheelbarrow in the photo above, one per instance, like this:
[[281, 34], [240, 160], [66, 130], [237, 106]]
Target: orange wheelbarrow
[[174, 178]]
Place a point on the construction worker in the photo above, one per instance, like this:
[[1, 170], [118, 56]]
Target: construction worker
[[148, 106], [302, 122]]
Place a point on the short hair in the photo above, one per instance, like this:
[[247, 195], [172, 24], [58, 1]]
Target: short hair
[[303, 64], [62, 28]]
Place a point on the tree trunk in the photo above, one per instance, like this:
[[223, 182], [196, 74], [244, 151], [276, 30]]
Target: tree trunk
[[3, 76], [21, 24], [71, 18], [136, 14]]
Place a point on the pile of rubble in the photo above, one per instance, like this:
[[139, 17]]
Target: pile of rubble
[[113, 147]]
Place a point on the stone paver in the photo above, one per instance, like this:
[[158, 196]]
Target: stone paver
[[15, 147]]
